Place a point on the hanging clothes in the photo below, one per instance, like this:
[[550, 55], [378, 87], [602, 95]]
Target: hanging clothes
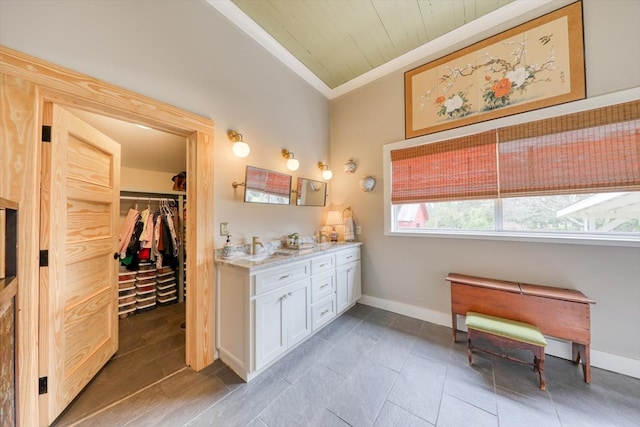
[[170, 215], [146, 216], [126, 230], [157, 246]]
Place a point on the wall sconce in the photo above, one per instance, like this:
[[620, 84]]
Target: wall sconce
[[292, 163], [326, 172], [333, 219], [350, 166], [240, 148]]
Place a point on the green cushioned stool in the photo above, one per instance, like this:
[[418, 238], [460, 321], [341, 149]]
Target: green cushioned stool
[[507, 334]]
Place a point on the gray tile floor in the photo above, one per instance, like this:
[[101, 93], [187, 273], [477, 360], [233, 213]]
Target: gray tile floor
[[371, 367]]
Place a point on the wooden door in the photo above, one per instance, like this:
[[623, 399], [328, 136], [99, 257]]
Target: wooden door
[[78, 327]]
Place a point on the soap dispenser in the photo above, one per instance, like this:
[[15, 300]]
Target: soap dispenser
[[227, 249]]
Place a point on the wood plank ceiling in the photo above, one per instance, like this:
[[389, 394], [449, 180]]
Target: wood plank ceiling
[[339, 40]]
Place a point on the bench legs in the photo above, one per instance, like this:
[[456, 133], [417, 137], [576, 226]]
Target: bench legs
[[581, 352], [509, 344]]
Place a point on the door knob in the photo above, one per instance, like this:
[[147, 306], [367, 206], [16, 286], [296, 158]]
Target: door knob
[[116, 255]]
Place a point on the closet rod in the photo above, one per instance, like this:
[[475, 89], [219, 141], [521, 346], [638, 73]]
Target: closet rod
[[142, 198]]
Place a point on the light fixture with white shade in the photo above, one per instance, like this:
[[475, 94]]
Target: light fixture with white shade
[[292, 163], [333, 219], [326, 172], [240, 148]]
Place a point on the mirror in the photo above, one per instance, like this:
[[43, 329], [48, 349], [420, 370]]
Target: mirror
[[265, 186], [311, 193]]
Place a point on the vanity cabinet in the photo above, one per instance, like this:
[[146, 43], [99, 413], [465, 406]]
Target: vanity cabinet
[[283, 319], [323, 290], [265, 309], [348, 287]]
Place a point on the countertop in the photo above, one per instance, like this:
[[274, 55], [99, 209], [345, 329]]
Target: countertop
[[281, 256]]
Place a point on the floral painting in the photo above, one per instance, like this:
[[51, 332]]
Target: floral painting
[[534, 65]]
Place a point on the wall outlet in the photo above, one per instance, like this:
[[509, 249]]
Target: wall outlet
[[224, 228], [358, 229]]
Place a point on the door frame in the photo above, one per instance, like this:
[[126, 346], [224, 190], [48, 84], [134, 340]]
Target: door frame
[[66, 87]]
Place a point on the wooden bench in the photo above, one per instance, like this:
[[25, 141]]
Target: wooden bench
[[507, 335]]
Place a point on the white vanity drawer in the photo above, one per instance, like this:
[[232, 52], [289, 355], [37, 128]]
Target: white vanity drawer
[[322, 285], [323, 311], [348, 255], [276, 277], [322, 263]]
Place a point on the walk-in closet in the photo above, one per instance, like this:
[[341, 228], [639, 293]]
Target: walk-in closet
[[151, 266]]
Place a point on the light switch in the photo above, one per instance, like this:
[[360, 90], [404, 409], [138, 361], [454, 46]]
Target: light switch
[[224, 228]]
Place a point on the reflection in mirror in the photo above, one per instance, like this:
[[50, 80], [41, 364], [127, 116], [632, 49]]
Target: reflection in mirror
[[311, 193], [265, 186]]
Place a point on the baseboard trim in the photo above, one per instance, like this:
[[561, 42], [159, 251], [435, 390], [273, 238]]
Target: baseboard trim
[[600, 359]]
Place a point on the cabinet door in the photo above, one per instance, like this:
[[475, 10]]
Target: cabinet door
[[298, 302], [347, 285], [271, 339]]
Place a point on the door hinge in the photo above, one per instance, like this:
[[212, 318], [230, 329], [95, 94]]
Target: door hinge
[[42, 385], [46, 133], [44, 258]]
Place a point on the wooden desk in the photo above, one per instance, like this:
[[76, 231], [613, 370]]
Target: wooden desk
[[559, 313]]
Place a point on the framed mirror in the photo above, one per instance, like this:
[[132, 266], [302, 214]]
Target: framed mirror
[[311, 193], [265, 186]]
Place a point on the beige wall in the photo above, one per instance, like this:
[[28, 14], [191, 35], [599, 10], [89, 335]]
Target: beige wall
[[186, 54], [145, 180], [409, 272]]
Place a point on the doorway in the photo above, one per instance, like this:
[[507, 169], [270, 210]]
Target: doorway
[[27, 84], [151, 308]]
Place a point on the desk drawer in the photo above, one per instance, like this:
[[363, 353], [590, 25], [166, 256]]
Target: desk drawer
[[322, 263], [348, 255], [280, 276], [323, 311], [321, 286]]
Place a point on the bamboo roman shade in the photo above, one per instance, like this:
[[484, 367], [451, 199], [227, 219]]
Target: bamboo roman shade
[[268, 182], [460, 168], [591, 151], [585, 152]]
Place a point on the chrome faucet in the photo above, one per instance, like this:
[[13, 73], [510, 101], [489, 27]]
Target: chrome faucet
[[255, 244]]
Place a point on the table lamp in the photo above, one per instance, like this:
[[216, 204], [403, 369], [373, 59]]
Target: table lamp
[[333, 219]]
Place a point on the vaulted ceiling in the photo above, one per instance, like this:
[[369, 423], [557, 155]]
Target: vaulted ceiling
[[339, 40], [335, 43]]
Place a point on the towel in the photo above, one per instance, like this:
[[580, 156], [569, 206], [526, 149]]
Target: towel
[[349, 228]]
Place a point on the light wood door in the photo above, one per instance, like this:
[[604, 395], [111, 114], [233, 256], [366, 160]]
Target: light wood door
[[78, 327]]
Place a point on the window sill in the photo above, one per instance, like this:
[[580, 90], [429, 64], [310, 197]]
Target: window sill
[[530, 237]]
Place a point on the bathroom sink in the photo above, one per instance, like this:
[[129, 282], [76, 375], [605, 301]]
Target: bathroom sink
[[265, 256], [325, 245]]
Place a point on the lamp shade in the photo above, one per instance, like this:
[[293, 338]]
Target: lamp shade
[[293, 164], [327, 174], [333, 218], [241, 149]]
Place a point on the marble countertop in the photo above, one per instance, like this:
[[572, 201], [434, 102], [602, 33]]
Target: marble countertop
[[280, 256]]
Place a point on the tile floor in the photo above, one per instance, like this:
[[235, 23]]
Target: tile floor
[[371, 367]]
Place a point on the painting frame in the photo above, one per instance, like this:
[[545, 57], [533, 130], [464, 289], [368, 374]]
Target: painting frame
[[534, 65]]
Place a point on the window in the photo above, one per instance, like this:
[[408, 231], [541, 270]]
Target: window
[[577, 174]]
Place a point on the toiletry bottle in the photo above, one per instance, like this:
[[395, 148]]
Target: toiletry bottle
[[227, 249]]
